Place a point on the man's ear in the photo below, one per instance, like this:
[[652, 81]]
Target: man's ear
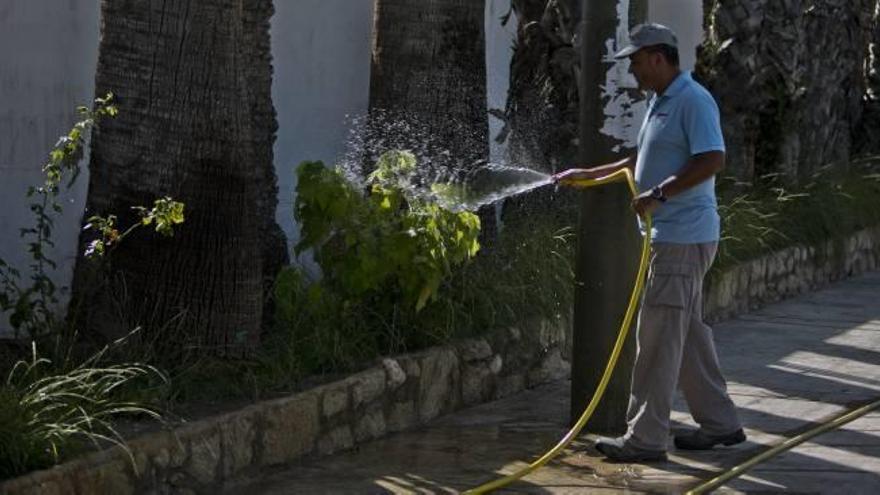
[[657, 58]]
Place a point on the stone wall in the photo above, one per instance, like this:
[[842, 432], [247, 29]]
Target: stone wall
[[395, 394], [789, 76], [789, 272]]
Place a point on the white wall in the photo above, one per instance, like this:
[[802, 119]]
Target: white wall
[[499, 49], [685, 17], [321, 54], [48, 54], [625, 107]]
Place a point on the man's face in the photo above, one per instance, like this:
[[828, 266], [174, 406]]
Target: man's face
[[642, 66]]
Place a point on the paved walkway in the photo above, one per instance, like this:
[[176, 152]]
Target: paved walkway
[[789, 367]]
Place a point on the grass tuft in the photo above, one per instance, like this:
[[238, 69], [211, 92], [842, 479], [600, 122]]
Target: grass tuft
[[768, 215], [47, 414]]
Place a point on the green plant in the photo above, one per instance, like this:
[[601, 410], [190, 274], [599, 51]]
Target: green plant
[[52, 408], [328, 326], [384, 254], [31, 304], [528, 275], [47, 413], [524, 278], [165, 214], [389, 240]]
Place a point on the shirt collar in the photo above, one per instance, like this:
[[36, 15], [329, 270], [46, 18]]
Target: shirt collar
[[678, 84]]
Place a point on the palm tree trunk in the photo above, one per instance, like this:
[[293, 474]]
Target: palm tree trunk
[[429, 74], [196, 122]]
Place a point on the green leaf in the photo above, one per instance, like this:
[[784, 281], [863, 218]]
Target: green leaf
[[56, 156], [424, 295]]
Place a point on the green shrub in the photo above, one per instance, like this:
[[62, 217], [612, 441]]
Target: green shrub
[[527, 275], [388, 240], [384, 254]]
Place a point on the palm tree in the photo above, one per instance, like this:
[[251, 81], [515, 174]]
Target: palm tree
[[428, 76], [193, 84]]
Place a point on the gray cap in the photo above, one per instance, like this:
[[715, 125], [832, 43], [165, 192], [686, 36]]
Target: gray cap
[[647, 35]]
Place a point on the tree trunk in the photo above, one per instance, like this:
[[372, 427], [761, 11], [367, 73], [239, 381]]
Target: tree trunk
[[196, 122], [608, 242], [428, 81], [790, 83]]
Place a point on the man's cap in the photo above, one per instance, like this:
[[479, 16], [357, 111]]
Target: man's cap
[[647, 35]]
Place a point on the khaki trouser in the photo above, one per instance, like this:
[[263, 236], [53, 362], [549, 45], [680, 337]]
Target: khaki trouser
[[675, 346]]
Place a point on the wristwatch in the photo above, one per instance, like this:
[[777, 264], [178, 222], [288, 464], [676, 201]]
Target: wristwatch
[[657, 193]]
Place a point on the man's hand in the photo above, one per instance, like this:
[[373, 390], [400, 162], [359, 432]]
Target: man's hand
[[574, 174], [644, 204], [578, 173]]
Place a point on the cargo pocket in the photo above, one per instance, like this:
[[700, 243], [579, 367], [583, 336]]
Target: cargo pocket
[[670, 285]]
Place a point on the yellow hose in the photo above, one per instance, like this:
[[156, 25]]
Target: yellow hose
[[620, 175], [782, 447]]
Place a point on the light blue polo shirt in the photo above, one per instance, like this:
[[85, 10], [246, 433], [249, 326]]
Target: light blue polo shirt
[[682, 122]]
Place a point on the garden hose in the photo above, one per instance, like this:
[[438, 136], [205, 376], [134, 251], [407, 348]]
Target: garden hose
[[738, 470], [623, 174]]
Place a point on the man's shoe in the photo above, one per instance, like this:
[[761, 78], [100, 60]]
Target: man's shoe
[[698, 440], [617, 450]]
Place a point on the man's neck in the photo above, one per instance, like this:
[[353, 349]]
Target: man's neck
[[667, 81]]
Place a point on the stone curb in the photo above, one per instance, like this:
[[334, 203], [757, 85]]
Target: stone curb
[[789, 272], [396, 394]]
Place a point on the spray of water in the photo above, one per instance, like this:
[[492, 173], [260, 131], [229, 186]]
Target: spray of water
[[447, 177], [490, 183]]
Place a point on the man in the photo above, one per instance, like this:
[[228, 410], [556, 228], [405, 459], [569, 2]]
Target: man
[[680, 149]]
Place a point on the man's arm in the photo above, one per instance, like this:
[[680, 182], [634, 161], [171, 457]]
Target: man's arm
[[696, 171], [596, 172]]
